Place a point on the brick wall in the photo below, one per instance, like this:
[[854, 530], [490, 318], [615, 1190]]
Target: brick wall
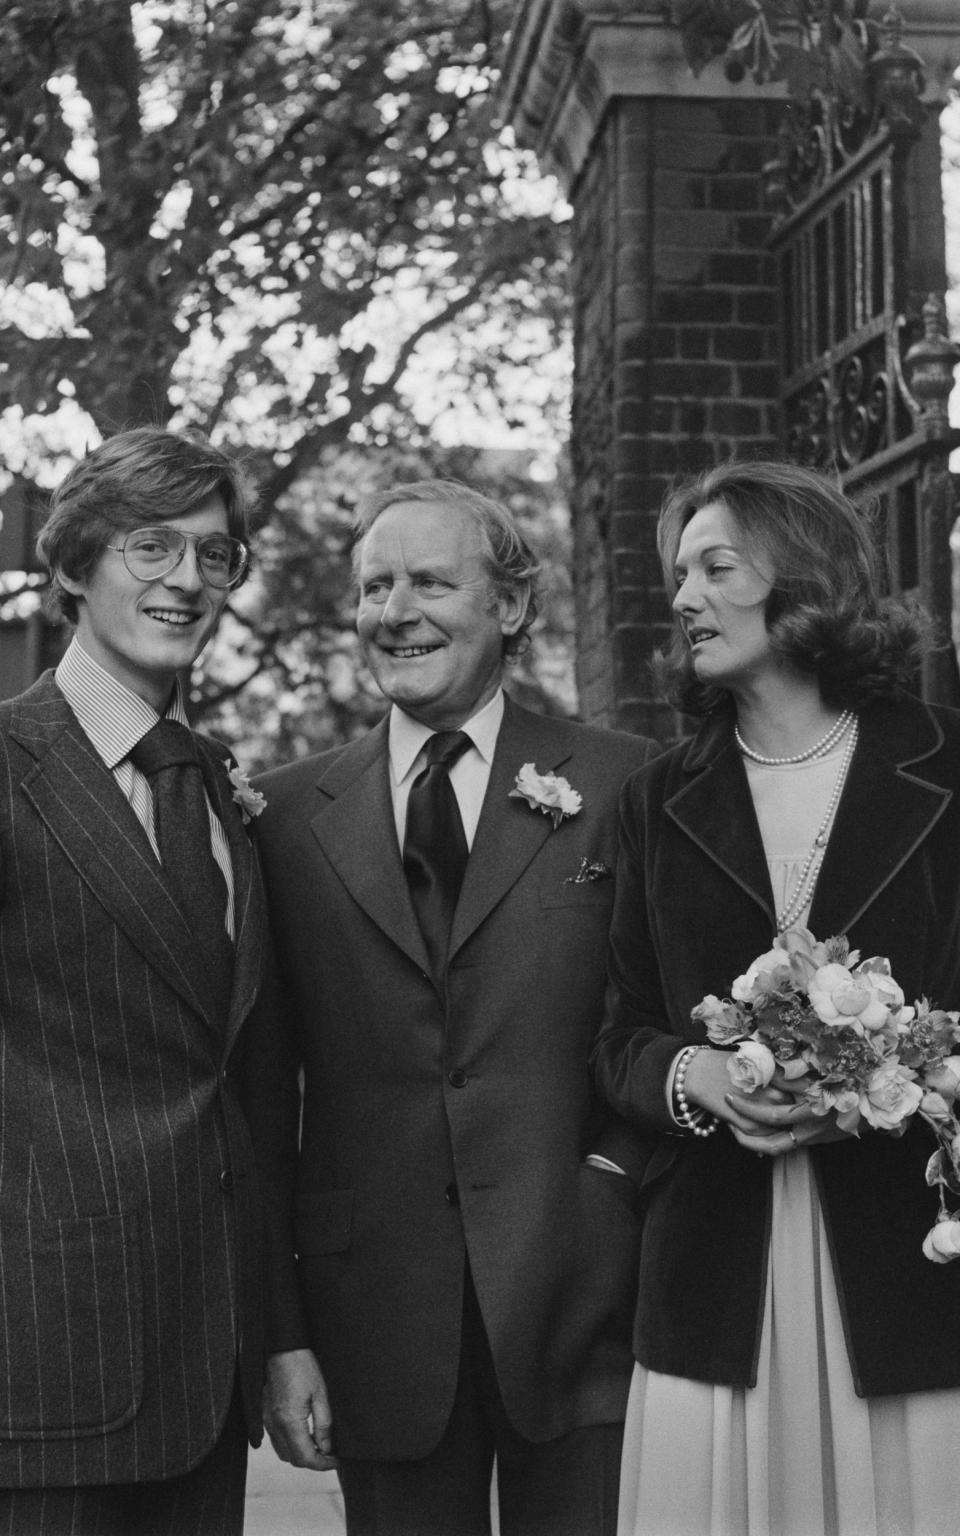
[[676, 361], [592, 434]]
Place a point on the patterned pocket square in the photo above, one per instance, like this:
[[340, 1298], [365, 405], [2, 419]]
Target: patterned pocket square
[[590, 869]]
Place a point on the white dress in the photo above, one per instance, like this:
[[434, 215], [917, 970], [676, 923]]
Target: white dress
[[799, 1454]]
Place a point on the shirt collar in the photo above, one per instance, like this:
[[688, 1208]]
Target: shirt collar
[[112, 715], [408, 736]]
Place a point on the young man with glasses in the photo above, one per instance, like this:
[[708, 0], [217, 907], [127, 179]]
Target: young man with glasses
[[132, 941]]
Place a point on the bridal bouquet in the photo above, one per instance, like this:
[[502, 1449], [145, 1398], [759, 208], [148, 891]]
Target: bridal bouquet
[[815, 1012]]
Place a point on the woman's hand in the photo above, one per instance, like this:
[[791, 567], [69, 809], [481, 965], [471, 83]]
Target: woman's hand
[[782, 1126], [770, 1121]]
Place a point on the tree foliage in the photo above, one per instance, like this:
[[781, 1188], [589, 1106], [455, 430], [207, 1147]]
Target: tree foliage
[[253, 216]]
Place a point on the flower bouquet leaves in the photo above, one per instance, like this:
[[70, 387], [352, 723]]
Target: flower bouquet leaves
[[840, 1028]]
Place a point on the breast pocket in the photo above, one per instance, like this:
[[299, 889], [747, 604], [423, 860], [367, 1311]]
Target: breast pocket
[[71, 1341], [565, 891]]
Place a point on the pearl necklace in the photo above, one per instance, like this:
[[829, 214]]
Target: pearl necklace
[[819, 749], [807, 879]]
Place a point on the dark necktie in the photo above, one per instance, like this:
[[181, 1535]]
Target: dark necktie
[[435, 847], [169, 758]]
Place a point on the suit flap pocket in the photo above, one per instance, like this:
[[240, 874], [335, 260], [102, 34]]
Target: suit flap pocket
[[323, 1222], [71, 1342]]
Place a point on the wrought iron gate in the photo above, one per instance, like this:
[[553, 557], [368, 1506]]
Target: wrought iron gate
[[865, 382]]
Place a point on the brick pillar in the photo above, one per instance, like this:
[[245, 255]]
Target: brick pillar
[[675, 334], [694, 347]]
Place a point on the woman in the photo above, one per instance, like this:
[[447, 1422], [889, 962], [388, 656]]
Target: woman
[[799, 1358]]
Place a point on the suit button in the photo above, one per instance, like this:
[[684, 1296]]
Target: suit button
[[452, 1194], [458, 1077], [226, 1179]]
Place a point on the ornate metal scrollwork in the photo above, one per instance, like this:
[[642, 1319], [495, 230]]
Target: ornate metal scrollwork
[[809, 433], [927, 375], [862, 417], [847, 80], [842, 417]]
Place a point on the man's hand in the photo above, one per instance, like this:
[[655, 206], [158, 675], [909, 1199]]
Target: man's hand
[[296, 1411]]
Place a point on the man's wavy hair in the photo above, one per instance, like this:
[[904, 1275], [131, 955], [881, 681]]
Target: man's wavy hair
[[512, 566], [827, 614], [141, 476]]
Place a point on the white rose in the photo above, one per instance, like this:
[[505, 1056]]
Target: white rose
[[865, 1000], [825, 981], [935, 1106], [942, 1242], [889, 1096], [885, 993], [774, 967], [752, 1067], [945, 1078]]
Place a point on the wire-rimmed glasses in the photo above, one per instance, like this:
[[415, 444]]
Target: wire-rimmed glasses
[[152, 553]]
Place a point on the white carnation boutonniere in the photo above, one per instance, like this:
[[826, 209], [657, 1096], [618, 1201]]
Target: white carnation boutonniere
[[546, 792], [250, 800]]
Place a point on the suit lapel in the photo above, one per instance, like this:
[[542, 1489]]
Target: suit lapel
[[715, 809], [887, 809], [356, 829], [249, 905], [509, 834], [81, 804]]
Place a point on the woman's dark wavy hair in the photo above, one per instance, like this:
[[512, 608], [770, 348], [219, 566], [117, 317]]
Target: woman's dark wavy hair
[[826, 614], [141, 476], [510, 562]]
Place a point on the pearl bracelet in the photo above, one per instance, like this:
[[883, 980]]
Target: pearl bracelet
[[699, 1121]]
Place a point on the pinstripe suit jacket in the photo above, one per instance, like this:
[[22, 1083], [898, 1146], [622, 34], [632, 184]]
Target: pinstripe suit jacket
[[129, 1264]]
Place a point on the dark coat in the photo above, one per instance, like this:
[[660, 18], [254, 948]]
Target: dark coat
[[694, 908], [419, 1095], [129, 1232]]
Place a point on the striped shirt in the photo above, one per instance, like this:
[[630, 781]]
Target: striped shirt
[[115, 719]]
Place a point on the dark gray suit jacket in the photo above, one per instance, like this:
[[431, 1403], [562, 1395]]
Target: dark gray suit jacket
[[445, 1116], [128, 1218]]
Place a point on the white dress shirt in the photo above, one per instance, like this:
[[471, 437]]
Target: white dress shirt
[[469, 775]]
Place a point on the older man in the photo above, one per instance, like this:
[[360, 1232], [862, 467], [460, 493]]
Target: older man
[[454, 1233], [132, 936]]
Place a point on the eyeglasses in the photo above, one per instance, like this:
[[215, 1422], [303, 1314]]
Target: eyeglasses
[[152, 553]]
